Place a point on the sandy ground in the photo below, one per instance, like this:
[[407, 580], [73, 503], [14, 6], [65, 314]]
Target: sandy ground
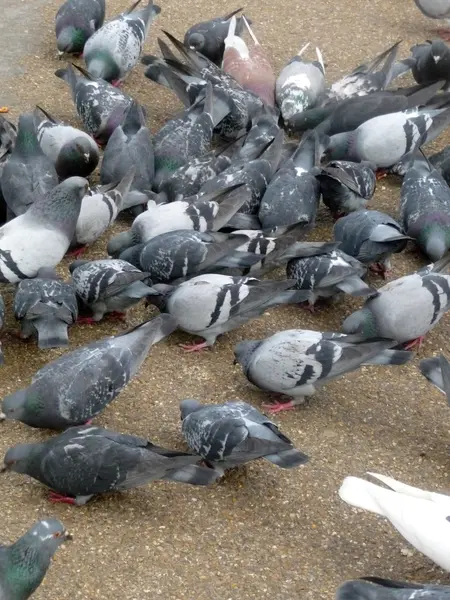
[[262, 532]]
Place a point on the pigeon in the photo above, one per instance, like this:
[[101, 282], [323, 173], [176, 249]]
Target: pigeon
[[347, 186], [28, 173], [262, 131], [100, 105], [300, 84], [441, 161], [376, 588], [425, 207], [24, 563], [114, 49], [370, 236], [41, 236], [99, 210], [83, 462], [437, 371], [436, 9], [2, 322], [421, 517], [108, 286], [46, 306], [76, 21], [295, 362], [210, 213], [430, 61], [293, 193], [327, 275], [234, 433], [249, 65], [405, 309], [72, 151], [208, 37], [130, 145], [385, 140], [77, 386]]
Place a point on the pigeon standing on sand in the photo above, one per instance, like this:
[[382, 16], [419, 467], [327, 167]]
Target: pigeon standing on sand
[[76, 387], [46, 306], [437, 371], [208, 37], [76, 21], [425, 207], [24, 563], [72, 151], [405, 309], [296, 362], [112, 51], [86, 461], [28, 173], [41, 236], [436, 9], [370, 236], [234, 433], [376, 588]]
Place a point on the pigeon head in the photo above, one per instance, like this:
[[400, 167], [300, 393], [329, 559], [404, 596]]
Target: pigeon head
[[102, 66], [361, 322], [340, 147], [46, 535], [14, 405], [20, 458], [61, 206], [189, 406], [77, 157], [71, 40], [243, 352], [197, 41], [47, 273], [120, 242]]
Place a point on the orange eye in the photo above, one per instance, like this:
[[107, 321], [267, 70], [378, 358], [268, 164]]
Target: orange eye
[[57, 534]]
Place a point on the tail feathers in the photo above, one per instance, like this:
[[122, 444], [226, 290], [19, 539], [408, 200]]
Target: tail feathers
[[230, 206], [240, 260], [290, 297], [386, 233], [305, 249], [52, 333], [288, 459], [445, 370], [442, 265], [362, 494], [431, 370], [195, 475], [409, 490], [391, 357], [355, 286], [388, 67], [243, 221], [220, 105], [439, 124], [134, 198]]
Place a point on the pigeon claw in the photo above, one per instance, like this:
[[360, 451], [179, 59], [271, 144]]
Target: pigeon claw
[[77, 252], [381, 174], [277, 407], [59, 498], [118, 316], [116, 83], [380, 269], [417, 343], [194, 346]]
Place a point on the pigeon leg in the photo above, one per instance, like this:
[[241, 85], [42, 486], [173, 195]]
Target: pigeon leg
[[77, 252], [86, 321], [309, 307], [443, 32], [55, 498], [116, 83], [415, 343], [381, 173], [277, 407], [89, 422], [194, 346]]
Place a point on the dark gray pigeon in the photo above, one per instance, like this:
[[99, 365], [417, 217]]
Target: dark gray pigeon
[[108, 286], [76, 21], [24, 563], [72, 151], [370, 236], [441, 161], [208, 37], [405, 309], [86, 461], [41, 236], [130, 145], [46, 306], [430, 61], [425, 207], [209, 305], [375, 588], [114, 49], [327, 275], [100, 105], [234, 433], [437, 371], [76, 387], [28, 173], [347, 186], [296, 362]]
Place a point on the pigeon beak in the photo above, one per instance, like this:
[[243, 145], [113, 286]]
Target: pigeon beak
[[235, 362], [68, 537]]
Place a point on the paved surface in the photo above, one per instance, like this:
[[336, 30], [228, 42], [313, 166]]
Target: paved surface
[[262, 532]]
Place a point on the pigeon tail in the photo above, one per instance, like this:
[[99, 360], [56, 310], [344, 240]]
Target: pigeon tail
[[362, 494], [194, 474], [52, 332], [390, 357], [137, 289], [288, 459], [431, 370]]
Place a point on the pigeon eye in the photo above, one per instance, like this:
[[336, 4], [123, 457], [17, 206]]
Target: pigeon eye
[[57, 534]]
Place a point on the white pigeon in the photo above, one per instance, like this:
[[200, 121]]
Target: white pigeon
[[421, 517]]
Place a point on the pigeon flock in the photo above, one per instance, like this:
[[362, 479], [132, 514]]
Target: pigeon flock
[[218, 205]]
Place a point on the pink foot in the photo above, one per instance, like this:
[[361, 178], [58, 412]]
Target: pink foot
[[116, 83], [415, 343], [55, 498], [89, 422], [381, 174], [337, 216], [443, 32], [100, 143], [77, 252], [380, 270], [194, 347], [86, 321], [116, 315], [277, 407]]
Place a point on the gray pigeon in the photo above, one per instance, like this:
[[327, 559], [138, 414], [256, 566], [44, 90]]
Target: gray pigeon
[[100, 105], [24, 563], [76, 21], [327, 275], [76, 387], [209, 305], [405, 309], [300, 84], [234, 433], [2, 322], [86, 461], [263, 130], [108, 286], [72, 151], [370, 236], [130, 145], [429, 61], [376, 588], [28, 174], [425, 207], [437, 371], [112, 51], [441, 161], [436, 9], [41, 236], [296, 362], [347, 186], [46, 306], [208, 37]]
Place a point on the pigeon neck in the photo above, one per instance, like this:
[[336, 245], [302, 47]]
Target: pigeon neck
[[71, 39], [27, 142], [27, 564], [102, 66]]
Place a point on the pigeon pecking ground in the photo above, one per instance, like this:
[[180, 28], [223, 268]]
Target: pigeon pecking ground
[[262, 532]]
